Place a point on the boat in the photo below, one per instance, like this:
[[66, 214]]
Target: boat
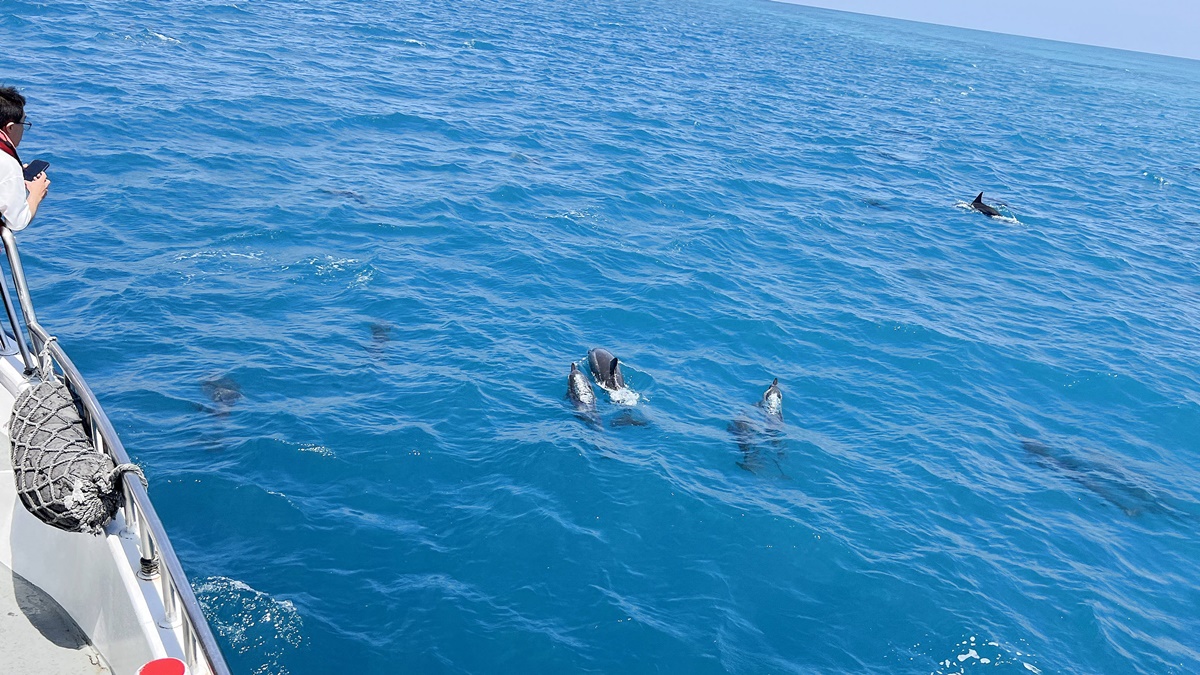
[[71, 602]]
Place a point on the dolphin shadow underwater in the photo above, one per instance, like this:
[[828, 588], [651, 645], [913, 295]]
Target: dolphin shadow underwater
[[381, 333], [224, 392], [1109, 483], [348, 194], [381, 338], [762, 427]]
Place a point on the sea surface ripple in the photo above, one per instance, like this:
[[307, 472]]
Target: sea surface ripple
[[377, 233]]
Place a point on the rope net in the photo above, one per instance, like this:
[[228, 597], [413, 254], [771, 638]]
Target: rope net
[[62, 479]]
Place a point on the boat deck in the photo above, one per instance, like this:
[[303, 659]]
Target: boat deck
[[38, 636]]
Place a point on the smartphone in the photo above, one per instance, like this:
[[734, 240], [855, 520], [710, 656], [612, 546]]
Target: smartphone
[[35, 167]]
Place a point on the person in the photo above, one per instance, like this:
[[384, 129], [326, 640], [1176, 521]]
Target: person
[[19, 198]]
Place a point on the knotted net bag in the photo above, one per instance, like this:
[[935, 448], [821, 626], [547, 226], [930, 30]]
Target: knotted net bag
[[62, 479]]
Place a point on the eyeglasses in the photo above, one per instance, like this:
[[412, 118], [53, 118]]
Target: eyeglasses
[[27, 125]]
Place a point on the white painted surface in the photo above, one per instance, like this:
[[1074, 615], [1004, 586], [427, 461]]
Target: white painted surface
[[92, 578], [38, 636]]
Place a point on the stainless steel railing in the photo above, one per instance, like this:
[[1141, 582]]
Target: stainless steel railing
[[181, 610]]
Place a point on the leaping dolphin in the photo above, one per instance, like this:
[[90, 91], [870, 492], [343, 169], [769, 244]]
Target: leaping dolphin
[[606, 369], [986, 210]]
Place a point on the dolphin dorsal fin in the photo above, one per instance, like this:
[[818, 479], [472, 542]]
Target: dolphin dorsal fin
[[979, 199], [574, 367], [775, 382], [612, 368]]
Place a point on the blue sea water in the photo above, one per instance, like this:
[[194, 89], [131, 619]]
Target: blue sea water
[[395, 225]]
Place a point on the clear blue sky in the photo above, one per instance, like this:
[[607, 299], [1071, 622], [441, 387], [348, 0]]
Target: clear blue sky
[[1159, 26]]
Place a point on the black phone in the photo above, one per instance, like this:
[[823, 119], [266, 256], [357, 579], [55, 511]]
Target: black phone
[[35, 167]]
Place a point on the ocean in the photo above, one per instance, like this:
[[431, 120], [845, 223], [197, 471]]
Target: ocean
[[326, 264]]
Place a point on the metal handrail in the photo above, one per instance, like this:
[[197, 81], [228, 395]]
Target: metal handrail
[[158, 558]]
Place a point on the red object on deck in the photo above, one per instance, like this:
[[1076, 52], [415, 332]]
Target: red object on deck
[[163, 667]]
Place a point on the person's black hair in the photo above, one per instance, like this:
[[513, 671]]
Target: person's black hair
[[12, 105]]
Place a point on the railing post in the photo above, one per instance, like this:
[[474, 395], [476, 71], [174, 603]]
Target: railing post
[[18, 334], [171, 617], [148, 551], [131, 516], [189, 647], [18, 273]]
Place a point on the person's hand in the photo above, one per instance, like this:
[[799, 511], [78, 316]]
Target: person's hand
[[38, 187]]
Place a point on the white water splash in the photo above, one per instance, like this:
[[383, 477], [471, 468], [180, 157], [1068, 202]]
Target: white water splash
[[1160, 180], [252, 621], [252, 255], [625, 397], [1002, 219], [331, 268], [973, 654], [318, 449], [164, 38]]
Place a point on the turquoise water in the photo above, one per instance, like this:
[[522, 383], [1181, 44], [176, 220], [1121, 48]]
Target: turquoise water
[[392, 227]]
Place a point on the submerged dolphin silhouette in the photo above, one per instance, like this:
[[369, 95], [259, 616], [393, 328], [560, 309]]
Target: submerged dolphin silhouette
[[351, 194], [1107, 482], [745, 435], [986, 210], [628, 418], [224, 392], [381, 332]]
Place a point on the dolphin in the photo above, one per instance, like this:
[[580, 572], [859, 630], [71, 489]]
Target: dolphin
[[772, 402], [381, 332], [749, 439], [606, 369], [750, 434], [628, 418], [986, 210], [579, 390], [1107, 482], [351, 194], [744, 435], [224, 392]]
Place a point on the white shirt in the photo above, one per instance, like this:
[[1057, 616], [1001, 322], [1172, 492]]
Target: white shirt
[[14, 198]]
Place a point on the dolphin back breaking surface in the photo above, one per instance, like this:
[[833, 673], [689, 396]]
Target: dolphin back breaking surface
[[606, 369], [772, 401], [989, 211], [579, 390]]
